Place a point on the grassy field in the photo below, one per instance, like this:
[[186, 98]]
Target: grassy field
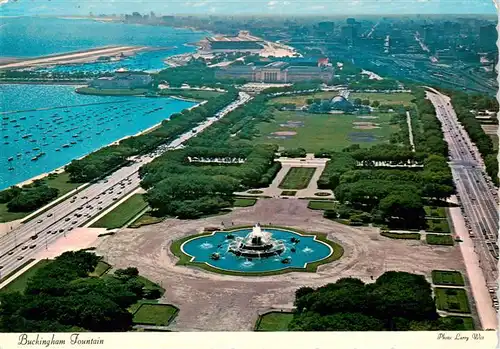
[[155, 314], [438, 225], [435, 212], [122, 214], [438, 239], [301, 100], [403, 236], [274, 321], [111, 92], [467, 322], [244, 202], [321, 205], [297, 178], [19, 284], [145, 219], [191, 94], [100, 269], [452, 299], [384, 98], [324, 131], [447, 277]]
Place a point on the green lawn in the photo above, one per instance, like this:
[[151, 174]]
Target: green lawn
[[447, 277], [467, 321], [452, 299], [274, 321], [244, 202], [122, 214], [288, 193], [59, 181], [384, 98], [100, 269], [150, 285], [300, 100], [403, 236], [321, 205], [297, 178], [145, 219], [134, 307], [192, 94], [438, 239], [438, 225], [155, 314], [324, 131], [435, 212], [19, 284]]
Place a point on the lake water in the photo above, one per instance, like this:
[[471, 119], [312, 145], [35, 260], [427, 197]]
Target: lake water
[[68, 126], [35, 36]]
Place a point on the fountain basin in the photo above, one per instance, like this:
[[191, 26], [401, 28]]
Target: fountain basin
[[239, 255]]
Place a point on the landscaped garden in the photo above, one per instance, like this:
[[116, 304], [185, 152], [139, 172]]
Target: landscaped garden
[[447, 277], [438, 239], [321, 205], [452, 299], [155, 314], [297, 178], [274, 321], [288, 193], [122, 214], [244, 202]]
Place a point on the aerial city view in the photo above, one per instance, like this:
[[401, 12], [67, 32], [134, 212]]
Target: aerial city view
[[285, 166]]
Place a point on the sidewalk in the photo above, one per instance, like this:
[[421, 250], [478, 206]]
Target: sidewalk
[[484, 304]]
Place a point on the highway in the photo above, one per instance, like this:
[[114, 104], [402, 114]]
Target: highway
[[25, 242], [477, 195]]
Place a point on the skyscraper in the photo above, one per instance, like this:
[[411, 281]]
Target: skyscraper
[[488, 36]]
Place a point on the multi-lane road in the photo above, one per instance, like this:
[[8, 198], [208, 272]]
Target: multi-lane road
[[477, 195], [37, 234]]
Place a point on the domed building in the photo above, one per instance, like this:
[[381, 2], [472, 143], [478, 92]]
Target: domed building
[[340, 103]]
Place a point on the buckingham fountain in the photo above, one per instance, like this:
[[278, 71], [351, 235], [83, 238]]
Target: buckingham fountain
[[257, 244], [256, 249]]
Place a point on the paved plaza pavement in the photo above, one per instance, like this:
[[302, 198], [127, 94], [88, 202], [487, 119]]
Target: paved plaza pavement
[[214, 302]]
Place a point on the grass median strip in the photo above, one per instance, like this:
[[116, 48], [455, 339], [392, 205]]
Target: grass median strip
[[122, 214]]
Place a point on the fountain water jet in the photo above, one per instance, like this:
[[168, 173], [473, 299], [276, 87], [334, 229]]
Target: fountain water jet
[[257, 244]]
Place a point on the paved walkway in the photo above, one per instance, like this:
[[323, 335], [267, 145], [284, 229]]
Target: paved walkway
[[286, 164], [410, 130], [484, 305]]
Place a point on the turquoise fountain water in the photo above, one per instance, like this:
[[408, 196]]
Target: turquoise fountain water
[[256, 250]]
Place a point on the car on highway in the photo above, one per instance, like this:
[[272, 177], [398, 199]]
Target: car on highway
[[1, 266], [115, 198], [74, 222], [40, 221], [49, 215], [24, 247], [20, 257], [67, 219], [33, 237], [10, 253], [61, 230], [49, 231], [32, 247]]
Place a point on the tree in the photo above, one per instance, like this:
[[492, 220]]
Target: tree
[[404, 206], [375, 104]]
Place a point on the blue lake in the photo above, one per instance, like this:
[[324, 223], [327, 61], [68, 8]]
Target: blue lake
[[69, 126], [308, 250], [35, 36]]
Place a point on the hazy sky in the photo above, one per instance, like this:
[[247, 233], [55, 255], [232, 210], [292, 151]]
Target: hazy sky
[[228, 7]]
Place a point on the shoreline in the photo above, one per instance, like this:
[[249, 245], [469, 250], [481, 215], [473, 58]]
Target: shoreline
[[60, 169]]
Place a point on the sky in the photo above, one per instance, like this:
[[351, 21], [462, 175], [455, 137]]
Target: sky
[[232, 7]]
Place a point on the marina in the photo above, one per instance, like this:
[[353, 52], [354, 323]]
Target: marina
[[82, 124]]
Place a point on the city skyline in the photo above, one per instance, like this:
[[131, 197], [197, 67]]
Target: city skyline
[[254, 7]]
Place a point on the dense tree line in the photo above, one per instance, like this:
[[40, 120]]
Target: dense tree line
[[108, 158], [61, 297], [365, 83], [428, 135], [397, 301], [179, 188], [29, 197]]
